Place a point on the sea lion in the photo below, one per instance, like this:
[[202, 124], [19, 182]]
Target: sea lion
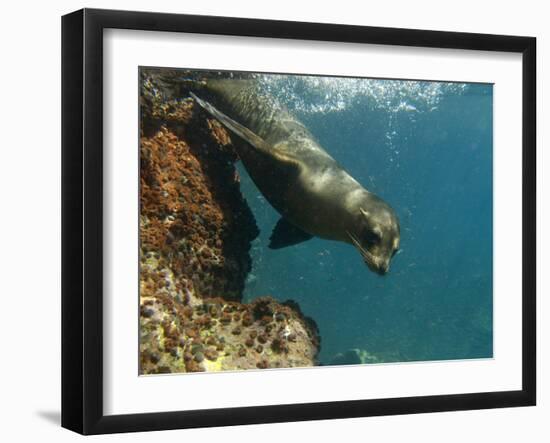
[[313, 193]]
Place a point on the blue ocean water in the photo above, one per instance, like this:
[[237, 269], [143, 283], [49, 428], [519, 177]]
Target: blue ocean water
[[426, 149]]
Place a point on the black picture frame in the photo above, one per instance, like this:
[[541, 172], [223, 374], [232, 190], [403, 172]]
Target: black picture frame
[[82, 216]]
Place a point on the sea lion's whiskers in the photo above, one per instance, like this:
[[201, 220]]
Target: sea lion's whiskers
[[364, 253]]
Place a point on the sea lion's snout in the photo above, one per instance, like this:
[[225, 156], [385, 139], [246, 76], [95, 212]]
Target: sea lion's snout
[[384, 268], [380, 267]]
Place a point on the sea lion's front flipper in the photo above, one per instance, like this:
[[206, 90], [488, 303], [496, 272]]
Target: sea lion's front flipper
[[286, 234], [246, 134]]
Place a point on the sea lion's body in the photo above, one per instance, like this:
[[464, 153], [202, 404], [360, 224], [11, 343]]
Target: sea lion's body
[[294, 173]]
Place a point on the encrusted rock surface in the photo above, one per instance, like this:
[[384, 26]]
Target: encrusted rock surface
[[195, 234], [215, 334]]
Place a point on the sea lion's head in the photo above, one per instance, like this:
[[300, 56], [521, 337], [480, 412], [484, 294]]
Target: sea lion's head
[[375, 233]]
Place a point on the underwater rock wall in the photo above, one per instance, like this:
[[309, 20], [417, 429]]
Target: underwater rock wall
[[195, 235]]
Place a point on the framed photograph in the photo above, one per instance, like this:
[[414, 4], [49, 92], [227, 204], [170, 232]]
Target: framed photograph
[[270, 221]]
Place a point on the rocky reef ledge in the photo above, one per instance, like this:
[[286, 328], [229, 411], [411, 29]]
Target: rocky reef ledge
[[195, 235]]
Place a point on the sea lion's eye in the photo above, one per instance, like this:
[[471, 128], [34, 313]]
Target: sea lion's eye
[[372, 237]]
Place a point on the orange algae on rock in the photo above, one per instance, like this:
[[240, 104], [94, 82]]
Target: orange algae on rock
[[195, 235]]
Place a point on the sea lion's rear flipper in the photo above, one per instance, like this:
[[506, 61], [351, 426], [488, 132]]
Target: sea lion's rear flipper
[[246, 134], [286, 234]]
